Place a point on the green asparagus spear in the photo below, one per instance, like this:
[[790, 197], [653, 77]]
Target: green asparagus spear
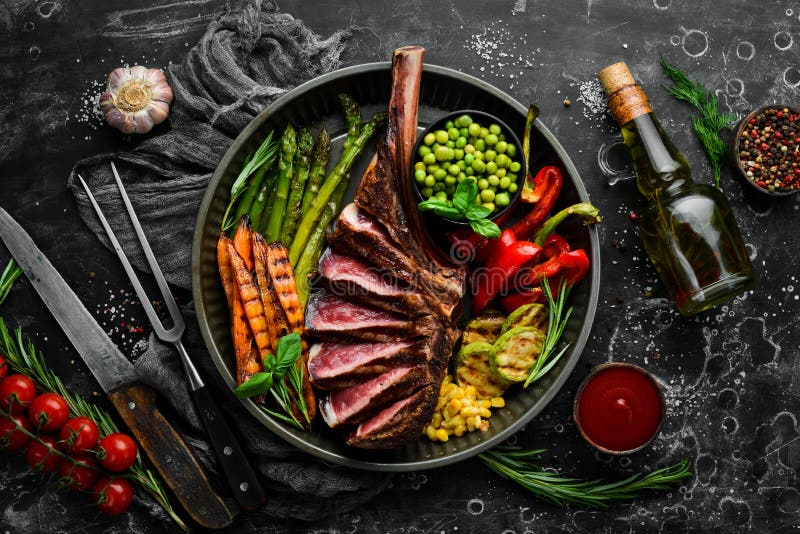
[[277, 210], [250, 194], [310, 257], [257, 209], [352, 117], [319, 164], [326, 192], [305, 143]]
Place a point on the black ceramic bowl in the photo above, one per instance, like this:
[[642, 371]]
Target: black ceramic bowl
[[484, 119], [740, 166], [316, 103]]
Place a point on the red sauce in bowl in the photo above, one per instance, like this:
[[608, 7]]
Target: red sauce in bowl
[[619, 408]]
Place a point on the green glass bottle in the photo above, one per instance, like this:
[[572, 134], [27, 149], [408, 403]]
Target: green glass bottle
[[688, 229]]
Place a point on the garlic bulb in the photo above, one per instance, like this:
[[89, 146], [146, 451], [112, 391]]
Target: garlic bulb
[[137, 99]]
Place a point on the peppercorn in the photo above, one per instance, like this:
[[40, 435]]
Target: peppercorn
[[769, 149]]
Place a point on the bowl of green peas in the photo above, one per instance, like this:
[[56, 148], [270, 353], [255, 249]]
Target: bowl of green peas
[[470, 144]]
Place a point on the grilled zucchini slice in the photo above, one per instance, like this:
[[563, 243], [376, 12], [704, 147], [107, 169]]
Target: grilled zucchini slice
[[515, 353], [483, 327], [533, 314], [473, 369]]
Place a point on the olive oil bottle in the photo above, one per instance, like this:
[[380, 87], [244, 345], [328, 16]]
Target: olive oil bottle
[[688, 229]]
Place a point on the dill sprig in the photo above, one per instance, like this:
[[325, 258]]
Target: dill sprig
[[523, 467], [710, 122], [556, 321], [7, 279]]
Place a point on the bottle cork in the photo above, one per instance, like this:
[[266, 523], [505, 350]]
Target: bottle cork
[[626, 98]]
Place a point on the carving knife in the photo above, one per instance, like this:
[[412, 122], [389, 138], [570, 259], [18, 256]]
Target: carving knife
[[134, 401]]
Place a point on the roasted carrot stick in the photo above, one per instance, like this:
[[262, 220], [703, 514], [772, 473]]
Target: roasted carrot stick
[[277, 325], [225, 271], [242, 242], [280, 270], [251, 301]]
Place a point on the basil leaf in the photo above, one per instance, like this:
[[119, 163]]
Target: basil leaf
[[288, 351], [259, 383], [485, 227], [465, 194], [432, 204], [449, 212], [478, 211], [270, 363]]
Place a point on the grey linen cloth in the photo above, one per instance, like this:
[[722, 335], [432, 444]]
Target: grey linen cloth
[[246, 59]]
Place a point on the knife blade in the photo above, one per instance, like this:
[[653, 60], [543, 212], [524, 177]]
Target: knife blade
[[134, 401]]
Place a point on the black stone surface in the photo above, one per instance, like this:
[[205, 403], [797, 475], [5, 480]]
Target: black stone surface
[[729, 374]]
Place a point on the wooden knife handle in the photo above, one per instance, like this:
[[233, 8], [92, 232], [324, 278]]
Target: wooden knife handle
[[241, 476], [171, 456]]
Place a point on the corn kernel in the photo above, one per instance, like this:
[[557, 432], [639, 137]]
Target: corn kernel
[[455, 405], [484, 412], [459, 430], [455, 422], [470, 412], [441, 403], [441, 435], [476, 421], [447, 379], [498, 402], [430, 432], [485, 403], [437, 420], [470, 391]]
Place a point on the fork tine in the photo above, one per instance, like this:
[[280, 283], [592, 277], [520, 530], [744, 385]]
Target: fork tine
[[137, 285], [166, 294]]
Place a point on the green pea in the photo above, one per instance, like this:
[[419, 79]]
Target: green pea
[[469, 171], [512, 188], [450, 180], [441, 195], [487, 195], [419, 176], [478, 166], [501, 173], [424, 150], [502, 199], [511, 150], [474, 129], [461, 176], [450, 144], [419, 166], [439, 174], [480, 145], [501, 137], [489, 155], [469, 158], [513, 177], [429, 180], [469, 148], [489, 205], [491, 139], [453, 170], [438, 186], [501, 147], [461, 164], [453, 133], [461, 142], [493, 180], [464, 120], [442, 154], [483, 183], [458, 154], [450, 189], [429, 159], [448, 125], [495, 129], [479, 155], [505, 181], [441, 136], [426, 192], [429, 139], [484, 133], [491, 167], [515, 166], [463, 132]]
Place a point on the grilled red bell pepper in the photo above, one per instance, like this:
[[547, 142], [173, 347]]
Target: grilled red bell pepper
[[555, 245], [570, 267], [508, 256], [547, 186]]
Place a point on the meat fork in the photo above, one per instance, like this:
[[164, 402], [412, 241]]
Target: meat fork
[[237, 469]]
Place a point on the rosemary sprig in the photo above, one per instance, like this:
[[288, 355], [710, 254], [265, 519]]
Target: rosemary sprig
[[23, 358], [263, 156], [7, 279], [522, 467], [557, 320], [710, 122]]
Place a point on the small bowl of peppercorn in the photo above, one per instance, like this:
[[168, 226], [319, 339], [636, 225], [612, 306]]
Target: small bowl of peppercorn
[[766, 150]]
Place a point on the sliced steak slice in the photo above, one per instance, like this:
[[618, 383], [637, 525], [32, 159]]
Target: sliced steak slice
[[358, 403], [341, 365], [399, 424], [351, 277]]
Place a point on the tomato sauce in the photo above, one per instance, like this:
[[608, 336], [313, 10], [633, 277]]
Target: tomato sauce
[[620, 408]]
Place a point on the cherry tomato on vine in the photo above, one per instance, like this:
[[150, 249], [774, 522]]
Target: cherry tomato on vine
[[49, 412], [113, 495], [117, 452], [3, 367], [11, 438], [41, 457], [79, 434], [16, 393], [75, 476]]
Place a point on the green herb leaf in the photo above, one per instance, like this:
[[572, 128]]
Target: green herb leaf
[[265, 156], [288, 351], [10, 275], [478, 211], [441, 208], [258, 384], [485, 227], [557, 321], [465, 194]]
